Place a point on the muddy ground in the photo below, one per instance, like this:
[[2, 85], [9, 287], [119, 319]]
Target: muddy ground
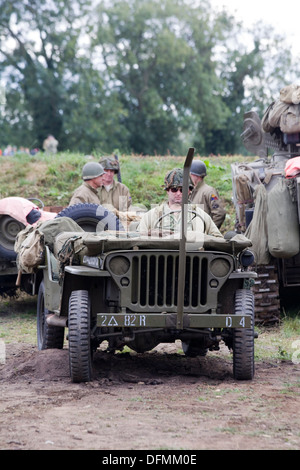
[[153, 401]]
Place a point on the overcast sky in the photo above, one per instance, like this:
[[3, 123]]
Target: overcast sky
[[283, 16]]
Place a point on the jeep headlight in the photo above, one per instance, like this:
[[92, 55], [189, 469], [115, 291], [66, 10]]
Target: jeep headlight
[[246, 258], [91, 261], [220, 267], [119, 265]]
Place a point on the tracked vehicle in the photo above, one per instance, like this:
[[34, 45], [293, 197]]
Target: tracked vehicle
[[138, 291], [279, 269]]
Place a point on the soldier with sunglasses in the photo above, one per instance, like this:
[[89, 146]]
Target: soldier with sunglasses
[[167, 216]]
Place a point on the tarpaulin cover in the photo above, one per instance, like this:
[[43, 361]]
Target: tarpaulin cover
[[19, 208]]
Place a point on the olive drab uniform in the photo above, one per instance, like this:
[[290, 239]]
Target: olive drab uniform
[[209, 197], [197, 220], [117, 196], [85, 194]]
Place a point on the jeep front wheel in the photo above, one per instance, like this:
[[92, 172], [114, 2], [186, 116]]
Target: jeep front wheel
[[243, 338], [80, 352]]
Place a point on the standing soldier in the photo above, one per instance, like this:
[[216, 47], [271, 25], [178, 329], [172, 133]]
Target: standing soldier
[[205, 194], [87, 193], [50, 144], [113, 194]]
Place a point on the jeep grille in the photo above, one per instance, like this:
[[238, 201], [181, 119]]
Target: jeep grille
[[148, 280]]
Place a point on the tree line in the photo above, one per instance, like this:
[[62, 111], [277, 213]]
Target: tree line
[[141, 76]]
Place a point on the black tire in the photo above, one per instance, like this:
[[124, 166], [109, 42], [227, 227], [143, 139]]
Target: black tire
[[80, 351], [193, 348], [91, 217], [144, 342], [243, 338], [48, 337], [9, 229]]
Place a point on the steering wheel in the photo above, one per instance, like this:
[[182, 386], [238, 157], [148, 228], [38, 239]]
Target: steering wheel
[[38, 200], [196, 214]]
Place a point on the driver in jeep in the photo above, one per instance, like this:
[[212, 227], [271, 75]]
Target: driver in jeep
[[167, 216]]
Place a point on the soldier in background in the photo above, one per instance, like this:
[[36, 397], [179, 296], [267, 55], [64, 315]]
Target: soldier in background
[[92, 174], [113, 194], [50, 144], [167, 216], [204, 194]]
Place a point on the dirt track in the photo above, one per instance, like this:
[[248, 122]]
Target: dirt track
[[158, 400]]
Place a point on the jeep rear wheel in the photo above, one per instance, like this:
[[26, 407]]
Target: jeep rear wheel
[[243, 338], [193, 348], [48, 336], [80, 352]]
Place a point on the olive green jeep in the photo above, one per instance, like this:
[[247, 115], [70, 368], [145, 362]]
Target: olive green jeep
[[140, 291]]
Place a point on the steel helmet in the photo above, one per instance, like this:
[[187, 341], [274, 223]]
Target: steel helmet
[[92, 170], [198, 168], [109, 163], [174, 178]]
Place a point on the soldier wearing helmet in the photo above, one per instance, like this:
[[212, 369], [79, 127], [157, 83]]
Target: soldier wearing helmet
[[113, 194], [167, 216], [204, 194], [92, 174]]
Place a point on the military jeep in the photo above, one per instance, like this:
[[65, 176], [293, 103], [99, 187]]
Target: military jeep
[[140, 291]]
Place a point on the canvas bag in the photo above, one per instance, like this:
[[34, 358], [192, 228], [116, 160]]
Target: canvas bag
[[257, 230], [244, 184], [30, 242], [22, 235], [31, 252], [284, 115], [276, 112], [290, 119], [282, 222], [54, 227], [265, 124], [290, 94]]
